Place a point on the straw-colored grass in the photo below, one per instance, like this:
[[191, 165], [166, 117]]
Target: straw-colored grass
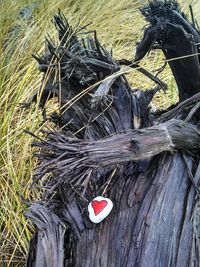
[[119, 25]]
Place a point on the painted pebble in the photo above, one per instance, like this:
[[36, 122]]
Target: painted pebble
[[99, 208]]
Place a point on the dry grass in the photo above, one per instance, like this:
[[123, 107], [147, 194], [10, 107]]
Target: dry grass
[[119, 25]]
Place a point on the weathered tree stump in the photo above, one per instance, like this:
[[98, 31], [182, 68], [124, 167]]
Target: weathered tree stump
[[110, 143]]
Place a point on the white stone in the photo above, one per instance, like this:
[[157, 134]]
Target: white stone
[[99, 208]]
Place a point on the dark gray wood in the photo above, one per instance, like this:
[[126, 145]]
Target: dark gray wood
[[178, 38], [150, 224]]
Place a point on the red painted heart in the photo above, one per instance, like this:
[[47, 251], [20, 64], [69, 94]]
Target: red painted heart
[[98, 206]]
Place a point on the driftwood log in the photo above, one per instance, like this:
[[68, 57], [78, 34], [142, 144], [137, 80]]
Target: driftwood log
[[109, 142]]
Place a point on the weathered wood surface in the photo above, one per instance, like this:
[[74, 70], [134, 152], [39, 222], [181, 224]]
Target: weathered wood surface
[[171, 31], [133, 145], [110, 143], [151, 221]]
